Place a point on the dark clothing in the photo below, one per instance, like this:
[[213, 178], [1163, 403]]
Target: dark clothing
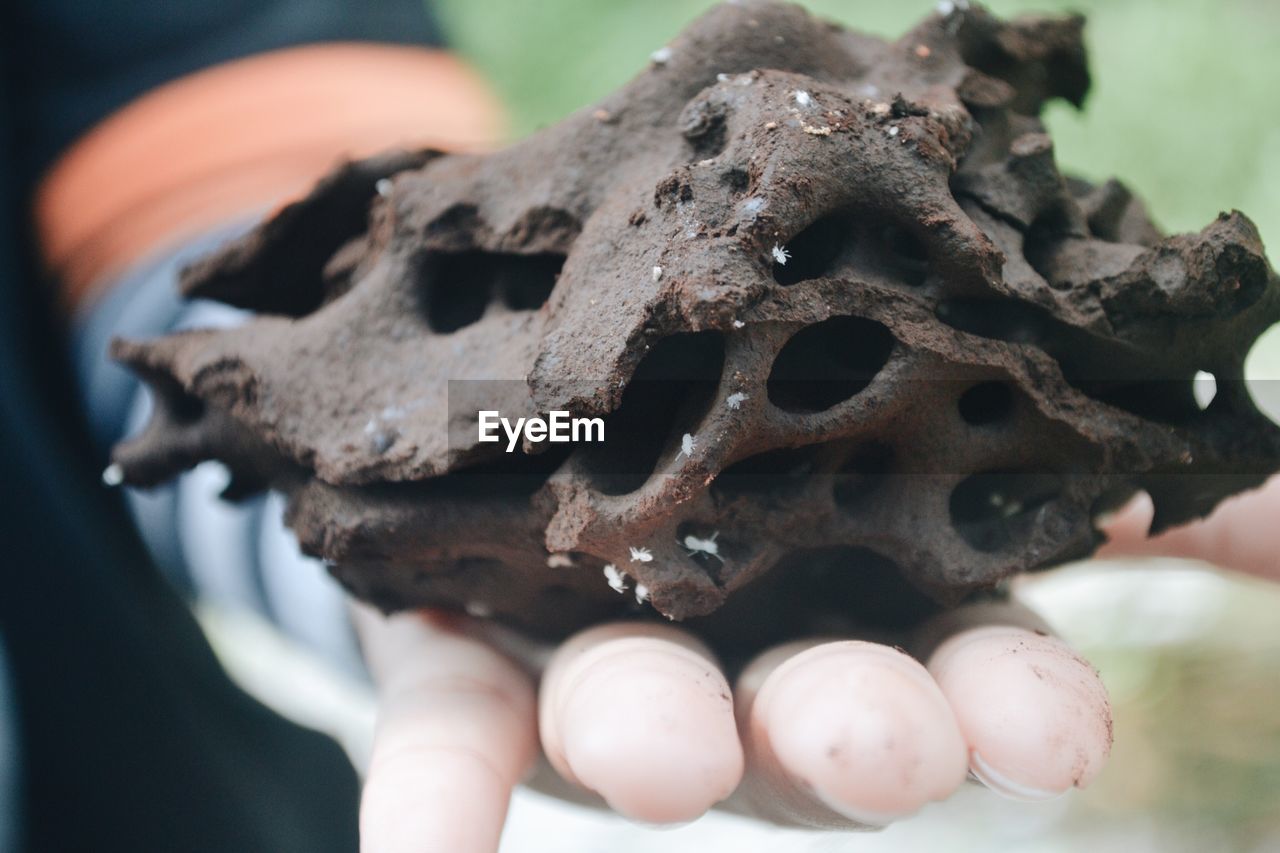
[[131, 737], [70, 63]]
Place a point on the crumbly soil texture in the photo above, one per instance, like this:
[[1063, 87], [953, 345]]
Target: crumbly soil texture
[[861, 349]]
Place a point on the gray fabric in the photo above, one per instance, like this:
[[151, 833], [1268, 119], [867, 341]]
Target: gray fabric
[[236, 555], [143, 302]]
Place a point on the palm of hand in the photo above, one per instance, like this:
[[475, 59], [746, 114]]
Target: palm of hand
[[839, 733]]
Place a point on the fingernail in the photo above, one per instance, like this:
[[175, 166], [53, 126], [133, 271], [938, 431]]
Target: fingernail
[[1002, 784]]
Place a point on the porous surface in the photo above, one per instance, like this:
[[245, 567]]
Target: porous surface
[[842, 314]]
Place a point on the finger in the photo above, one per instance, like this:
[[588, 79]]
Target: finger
[[455, 734], [642, 716], [981, 613], [1035, 715], [1239, 534], [845, 732]]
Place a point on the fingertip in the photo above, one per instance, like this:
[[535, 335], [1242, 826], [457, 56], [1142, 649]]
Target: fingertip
[[1127, 528], [863, 728], [648, 725], [1236, 535], [1035, 715]]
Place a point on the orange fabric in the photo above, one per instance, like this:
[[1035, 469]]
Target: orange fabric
[[241, 137]]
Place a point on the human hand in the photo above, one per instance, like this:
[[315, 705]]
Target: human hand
[[1242, 534], [834, 734], [816, 734]]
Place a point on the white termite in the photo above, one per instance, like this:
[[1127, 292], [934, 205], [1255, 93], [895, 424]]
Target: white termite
[[707, 547], [617, 580], [559, 560]]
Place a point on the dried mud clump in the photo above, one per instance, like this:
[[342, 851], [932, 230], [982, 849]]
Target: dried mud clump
[[861, 349]]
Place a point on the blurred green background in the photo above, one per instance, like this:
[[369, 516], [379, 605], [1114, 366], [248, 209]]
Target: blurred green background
[[1185, 109]]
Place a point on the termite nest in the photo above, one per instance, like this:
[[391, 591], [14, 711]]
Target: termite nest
[[861, 349]]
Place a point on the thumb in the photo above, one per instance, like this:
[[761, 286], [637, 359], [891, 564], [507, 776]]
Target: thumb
[[1243, 533]]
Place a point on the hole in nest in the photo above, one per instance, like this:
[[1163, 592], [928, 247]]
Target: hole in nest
[[994, 509], [839, 591], [988, 53], [827, 363], [1147, 390], [183, 408], [506, 475], [862, 474], [774, 471], [458, 287], [557, 594], [668, 395], [1169, 401], [815, 250], [706, 127], [1044, 238], [1204, 387], [737, 180], [986, 403], [853, 586], [1001, 319], [906, 254]]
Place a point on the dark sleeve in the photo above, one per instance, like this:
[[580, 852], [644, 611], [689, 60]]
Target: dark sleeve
[[132, 738], [70, 63]]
